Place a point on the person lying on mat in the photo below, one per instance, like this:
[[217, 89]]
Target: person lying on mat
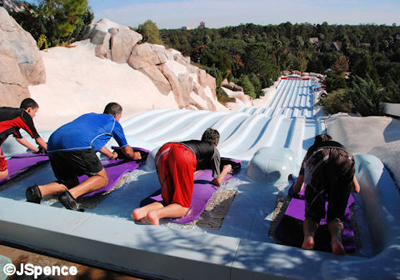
[[11, 121], [327, 173], [72, 152], [176, 164]]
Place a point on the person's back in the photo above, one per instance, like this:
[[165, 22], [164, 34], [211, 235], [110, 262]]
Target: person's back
[[207, 154], [13, 119], [87, 131]]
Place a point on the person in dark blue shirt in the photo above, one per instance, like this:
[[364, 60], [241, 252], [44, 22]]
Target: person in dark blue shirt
[[72, 152]]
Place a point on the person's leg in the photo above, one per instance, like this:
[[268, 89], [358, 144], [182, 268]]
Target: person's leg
[[85, 162], [52, 188], [65, 177], [182, 166], [139, 214], [3, 174], [336, 230], [310, 227], [91, 184], [315, 211], [3, 165], [171, 211], [340, 181]]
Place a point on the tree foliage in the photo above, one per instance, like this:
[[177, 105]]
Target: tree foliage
[[60, 21], [150, 32], [369, 51]]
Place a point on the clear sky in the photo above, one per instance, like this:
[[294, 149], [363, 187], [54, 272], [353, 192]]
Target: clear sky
[[221, 13]]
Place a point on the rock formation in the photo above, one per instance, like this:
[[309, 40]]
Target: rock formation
[[169, 70], [21, 64]]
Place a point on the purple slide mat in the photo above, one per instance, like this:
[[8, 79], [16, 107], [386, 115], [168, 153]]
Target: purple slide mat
[[203, 191], [296, 210], [21, 162], [116, 169]]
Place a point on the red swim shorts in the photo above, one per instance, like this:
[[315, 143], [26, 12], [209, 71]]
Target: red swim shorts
[[3, 162], [176, 165]]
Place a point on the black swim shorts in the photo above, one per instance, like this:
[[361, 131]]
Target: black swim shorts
[[67, 166]]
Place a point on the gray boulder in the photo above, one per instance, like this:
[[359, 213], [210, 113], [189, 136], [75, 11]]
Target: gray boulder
[[112, 40], [21, 63], [168, 69]]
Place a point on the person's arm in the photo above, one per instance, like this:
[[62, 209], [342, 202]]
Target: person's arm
[[225, 170], [107, 153], [356, 186], [129, 153], [28, 145], [42, 144], [298, 185]]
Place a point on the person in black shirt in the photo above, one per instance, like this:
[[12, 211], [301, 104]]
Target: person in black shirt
[[327, 173], [176, 164]]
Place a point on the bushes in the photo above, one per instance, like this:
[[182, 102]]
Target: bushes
[[363, 97]]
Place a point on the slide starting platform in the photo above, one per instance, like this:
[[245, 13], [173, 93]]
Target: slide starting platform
[[270, 144]]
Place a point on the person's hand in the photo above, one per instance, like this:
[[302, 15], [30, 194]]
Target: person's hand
[[227, 168], [114, 155], [40, 151], [137, 156]]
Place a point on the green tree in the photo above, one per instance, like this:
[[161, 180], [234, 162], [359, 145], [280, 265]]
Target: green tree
[[335, 102], [150, 32], [64, 15], [248, 87], [60, 21], [365, 97], [257, 60], [256, 84]]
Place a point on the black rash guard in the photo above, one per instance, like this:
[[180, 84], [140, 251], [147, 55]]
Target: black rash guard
[[12, 120], [207, 155]]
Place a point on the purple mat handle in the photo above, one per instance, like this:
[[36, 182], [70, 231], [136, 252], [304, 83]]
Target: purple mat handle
[[143, 152]]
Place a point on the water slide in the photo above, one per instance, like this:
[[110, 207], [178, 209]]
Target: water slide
[[271, 143]]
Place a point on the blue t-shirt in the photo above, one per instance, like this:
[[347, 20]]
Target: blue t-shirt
[[88, 131]]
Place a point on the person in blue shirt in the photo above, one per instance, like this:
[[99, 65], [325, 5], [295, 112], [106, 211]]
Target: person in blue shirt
[[72, 152]]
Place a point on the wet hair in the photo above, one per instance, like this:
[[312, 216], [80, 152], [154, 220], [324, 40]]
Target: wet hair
[[322, 138], [28, 103], [113, 109], [210, 136]]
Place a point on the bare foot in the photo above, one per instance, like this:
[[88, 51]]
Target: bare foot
[[337, 247], [138, 216], [308, 243], [152, 218]]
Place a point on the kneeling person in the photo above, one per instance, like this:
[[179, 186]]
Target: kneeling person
[[176, 164], [72, 152], [327, 174]]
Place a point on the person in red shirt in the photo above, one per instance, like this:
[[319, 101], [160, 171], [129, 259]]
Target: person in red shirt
[[176, 164], [11, 121]]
